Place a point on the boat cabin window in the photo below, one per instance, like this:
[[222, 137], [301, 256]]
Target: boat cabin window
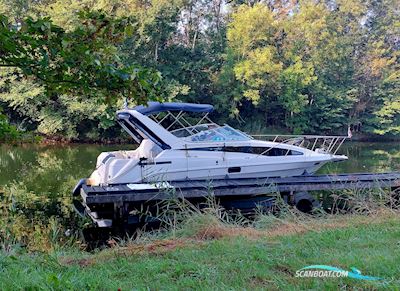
[[265, 151]]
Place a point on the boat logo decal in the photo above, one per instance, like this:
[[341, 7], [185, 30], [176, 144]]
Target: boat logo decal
[[324, 271]]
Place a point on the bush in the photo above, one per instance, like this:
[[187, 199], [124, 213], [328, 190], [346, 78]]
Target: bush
[[37, 221], [8, 132]]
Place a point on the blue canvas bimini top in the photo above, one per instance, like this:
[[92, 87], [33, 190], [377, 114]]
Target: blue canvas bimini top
[[156, 107]]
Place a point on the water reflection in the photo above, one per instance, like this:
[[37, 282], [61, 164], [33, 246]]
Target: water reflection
[[367, 157], [45, 168]]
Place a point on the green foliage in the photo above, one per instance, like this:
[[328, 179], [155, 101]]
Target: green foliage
[[81, 61], [314, 67], [8, 132], [303, 66], [70, 115], [388, 118]]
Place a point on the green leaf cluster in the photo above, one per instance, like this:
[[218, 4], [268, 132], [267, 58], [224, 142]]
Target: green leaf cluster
[[297, 66], [8, 132], [83, 60], [314, 67]]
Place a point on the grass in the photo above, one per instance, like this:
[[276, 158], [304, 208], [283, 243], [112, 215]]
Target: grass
[[208, 254]]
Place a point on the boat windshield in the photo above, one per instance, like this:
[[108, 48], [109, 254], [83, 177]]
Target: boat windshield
[[205, 130], [218, 134]]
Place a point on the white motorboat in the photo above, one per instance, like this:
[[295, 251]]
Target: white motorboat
[[205, 151]]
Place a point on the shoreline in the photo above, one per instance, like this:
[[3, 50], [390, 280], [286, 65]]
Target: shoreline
[[58, 140]]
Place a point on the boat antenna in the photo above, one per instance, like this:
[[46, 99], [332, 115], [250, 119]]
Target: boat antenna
[[125, 103]]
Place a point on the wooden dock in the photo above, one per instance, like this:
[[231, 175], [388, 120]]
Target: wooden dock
[[111, 205]]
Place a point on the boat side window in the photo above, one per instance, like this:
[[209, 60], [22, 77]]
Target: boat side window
[[265, 151], [271, 152], [245, 149], [275, 152]]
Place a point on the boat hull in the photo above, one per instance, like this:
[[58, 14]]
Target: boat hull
[[209, 167], [248, 171], [178, 165]]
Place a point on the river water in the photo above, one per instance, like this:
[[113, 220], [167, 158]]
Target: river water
[[45, 168]]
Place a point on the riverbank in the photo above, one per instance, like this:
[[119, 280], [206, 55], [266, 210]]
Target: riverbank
[[210, 255], [36, 212]]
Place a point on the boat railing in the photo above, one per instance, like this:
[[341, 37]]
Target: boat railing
[[326, 144]]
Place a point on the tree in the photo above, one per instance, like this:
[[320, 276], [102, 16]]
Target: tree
[[382, 67], [71, 82], [81, 61], [302, 66], [272, 76], [315, 67]]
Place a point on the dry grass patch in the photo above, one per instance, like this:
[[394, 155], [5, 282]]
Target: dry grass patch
[[220, 231], [295, 225], [155, 247]]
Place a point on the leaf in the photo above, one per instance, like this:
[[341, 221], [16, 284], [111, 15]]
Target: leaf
[[129, 30]]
